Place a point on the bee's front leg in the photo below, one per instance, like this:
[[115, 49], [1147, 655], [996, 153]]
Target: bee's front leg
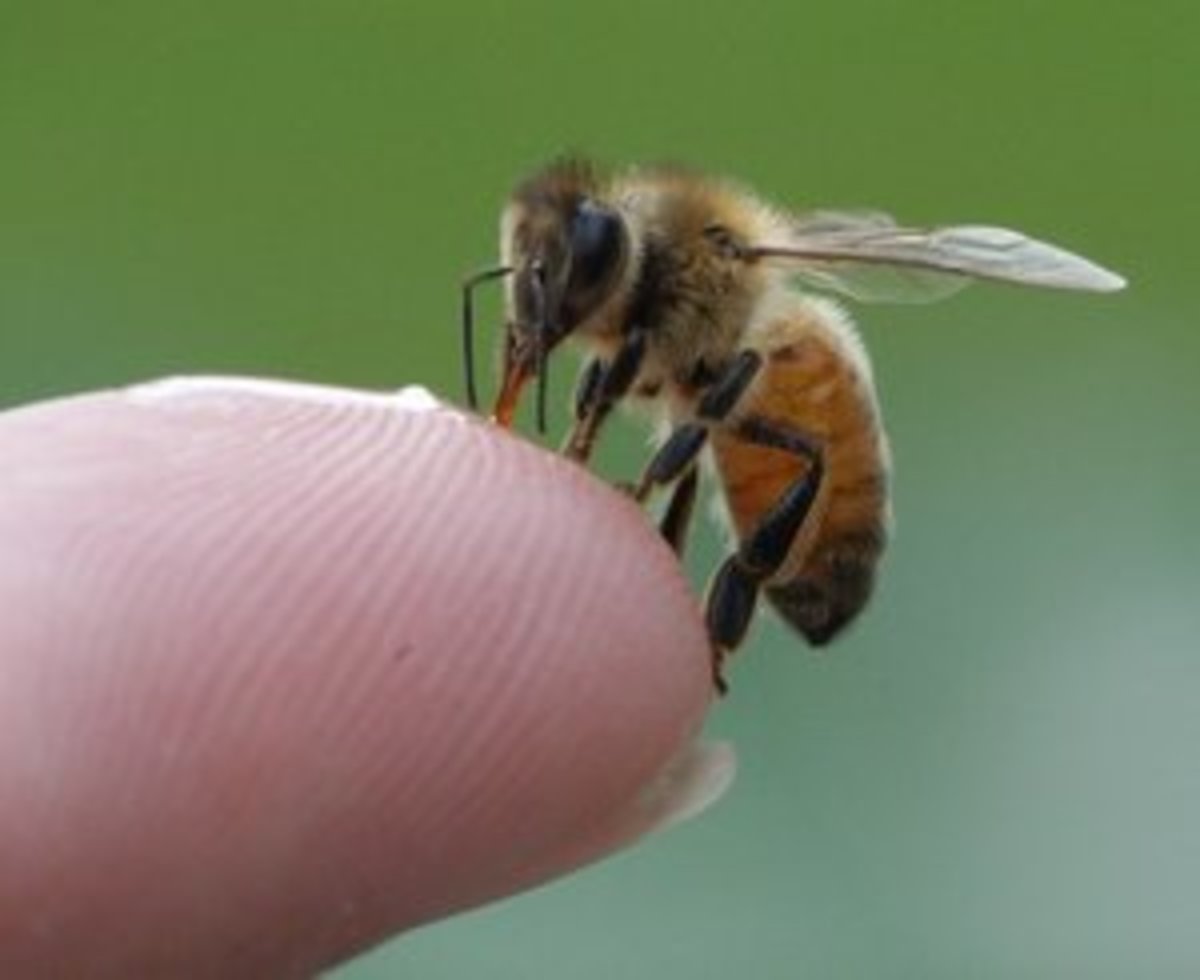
[[601, 385]]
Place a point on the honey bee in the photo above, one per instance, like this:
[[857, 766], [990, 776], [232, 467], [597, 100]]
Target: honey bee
[[687, 292]]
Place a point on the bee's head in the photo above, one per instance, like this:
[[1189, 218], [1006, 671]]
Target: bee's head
[[566, 250]]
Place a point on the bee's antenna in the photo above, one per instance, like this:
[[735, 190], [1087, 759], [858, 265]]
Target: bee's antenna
[[468, 326]]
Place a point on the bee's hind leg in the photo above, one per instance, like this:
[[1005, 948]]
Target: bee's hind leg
[[733, 592]]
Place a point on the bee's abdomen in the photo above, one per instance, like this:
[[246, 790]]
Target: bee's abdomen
[[833, 587]]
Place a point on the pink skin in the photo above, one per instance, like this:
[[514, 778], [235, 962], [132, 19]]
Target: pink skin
[[286, 669]]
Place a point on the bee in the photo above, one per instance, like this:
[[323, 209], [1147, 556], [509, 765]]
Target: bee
[[688, 292]]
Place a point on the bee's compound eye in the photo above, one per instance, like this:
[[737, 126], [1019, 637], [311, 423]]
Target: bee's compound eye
[[596, 240]]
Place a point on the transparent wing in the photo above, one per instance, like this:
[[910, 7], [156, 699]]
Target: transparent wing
[[880, 282], [827, 222], [867, 256]]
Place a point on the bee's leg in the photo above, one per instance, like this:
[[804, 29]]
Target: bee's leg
[[673, 459], [733, 593], [588, 413], [678, 516], [600, 388], [587, 390], [686, 440], [721, 397]]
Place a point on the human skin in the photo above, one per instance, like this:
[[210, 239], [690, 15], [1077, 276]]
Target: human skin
[[285, 670]]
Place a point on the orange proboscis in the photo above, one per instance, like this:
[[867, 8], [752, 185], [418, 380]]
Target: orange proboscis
[[510, 394]]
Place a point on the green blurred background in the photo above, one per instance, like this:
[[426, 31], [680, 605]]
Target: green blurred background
[[997, 773]]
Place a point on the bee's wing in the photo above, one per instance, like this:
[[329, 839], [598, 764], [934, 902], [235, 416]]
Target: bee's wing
[[867, 256]]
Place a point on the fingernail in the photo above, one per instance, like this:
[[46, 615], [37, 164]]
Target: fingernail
[[691, 782]]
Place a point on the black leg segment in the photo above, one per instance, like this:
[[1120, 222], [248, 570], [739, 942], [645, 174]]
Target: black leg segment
[[731, 600], [776, 435], [675, 522], [720, 399], [600, 388], [683, 445], [587, 390], [766, 548], [619, 377], [674, 456]]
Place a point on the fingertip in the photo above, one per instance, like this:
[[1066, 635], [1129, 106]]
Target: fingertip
[[404, 661]]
